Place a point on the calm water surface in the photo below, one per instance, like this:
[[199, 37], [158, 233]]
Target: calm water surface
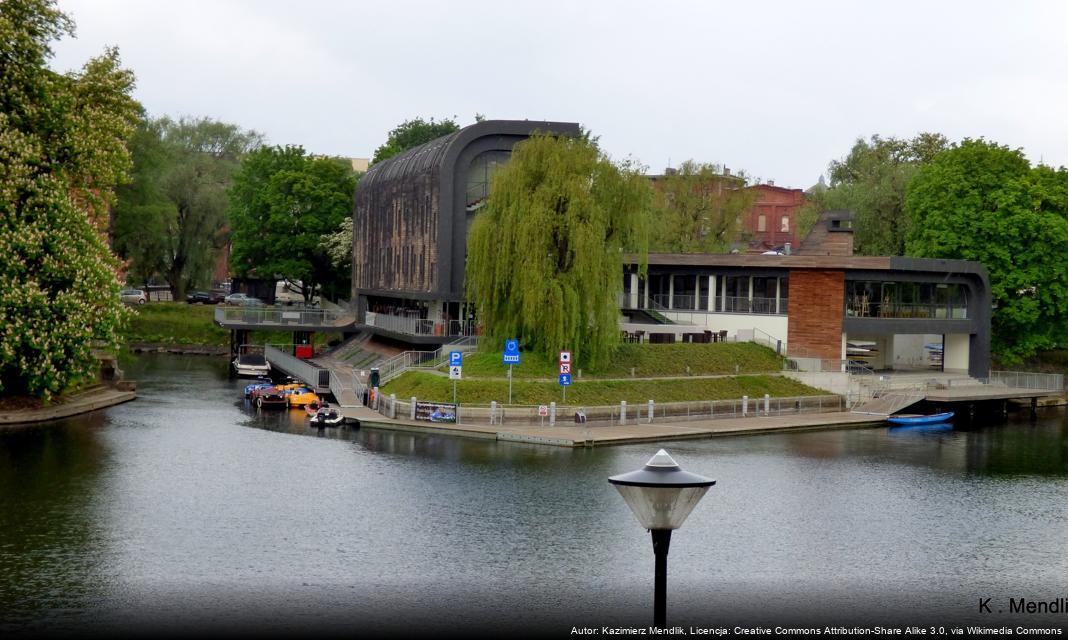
[[185, 510]]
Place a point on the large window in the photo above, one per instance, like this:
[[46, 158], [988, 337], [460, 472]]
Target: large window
[[868, 299], [479, 175]]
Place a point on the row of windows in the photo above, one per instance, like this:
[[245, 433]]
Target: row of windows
[[868, 299], [784, 223]]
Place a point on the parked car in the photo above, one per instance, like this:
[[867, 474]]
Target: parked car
[[244, 300], [133, 296], [203, 297]]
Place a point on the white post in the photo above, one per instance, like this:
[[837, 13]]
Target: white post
[[778, 299], [378, 400], [633, 290], [493, 411], [767, 404], [412, 416], [711, 293], [745, 406], [622, 412], [645, 297], [552, 413], [650, 411], [392, 405], [671, 291]]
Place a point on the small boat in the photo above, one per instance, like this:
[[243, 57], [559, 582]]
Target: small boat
[[313, 407], [271, 398], [251, 364], [253, 387], [914, 418], [327, 417]]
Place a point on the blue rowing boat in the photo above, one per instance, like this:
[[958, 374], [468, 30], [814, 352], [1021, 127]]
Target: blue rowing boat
[[911, 419]]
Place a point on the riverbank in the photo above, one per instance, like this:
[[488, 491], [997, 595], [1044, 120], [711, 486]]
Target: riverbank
[[91, 399]]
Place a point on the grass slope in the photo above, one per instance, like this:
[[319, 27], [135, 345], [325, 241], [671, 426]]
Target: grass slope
[[431, 386], [648, 360]]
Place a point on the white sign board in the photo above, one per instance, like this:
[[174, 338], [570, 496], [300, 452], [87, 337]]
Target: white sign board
[[454, 373], [565, 356], [543, 410], [565, 367]]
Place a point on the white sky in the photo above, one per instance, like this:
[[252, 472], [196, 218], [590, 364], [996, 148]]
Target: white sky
[[775, 88]]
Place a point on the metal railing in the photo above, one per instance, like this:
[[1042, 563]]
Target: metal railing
[[637, 414], [417, 326], [283, 317], [720, 304], [1026, 380], [946, 311]]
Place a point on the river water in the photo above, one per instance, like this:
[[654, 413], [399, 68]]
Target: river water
[[185, 511]]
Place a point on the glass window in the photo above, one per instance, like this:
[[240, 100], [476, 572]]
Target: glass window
[[762, 223], [479, 174], [785, 224]]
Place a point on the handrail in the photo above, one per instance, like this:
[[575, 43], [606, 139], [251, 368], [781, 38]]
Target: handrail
[[286, 317]]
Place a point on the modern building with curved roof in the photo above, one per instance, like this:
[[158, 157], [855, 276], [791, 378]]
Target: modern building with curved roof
[[412, 215]]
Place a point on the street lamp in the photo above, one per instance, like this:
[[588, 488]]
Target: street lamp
[[661, 495]]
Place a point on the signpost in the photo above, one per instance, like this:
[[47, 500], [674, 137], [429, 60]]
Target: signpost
[[456, 361], [511, 357]]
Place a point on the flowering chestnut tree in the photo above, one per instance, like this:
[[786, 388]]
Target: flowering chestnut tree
[[62, 151]]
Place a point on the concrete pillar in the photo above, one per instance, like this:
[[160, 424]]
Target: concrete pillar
[[767, 404], [671, 291], [493, 411], [552, 413], [745, 406], [650, 411], [412, 413], [622, 412], [778, 297], [633, 298], [392, 405], [645, 298], [711, 293]]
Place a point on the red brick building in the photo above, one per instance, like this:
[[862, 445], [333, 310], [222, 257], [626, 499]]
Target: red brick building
[[772, 220]]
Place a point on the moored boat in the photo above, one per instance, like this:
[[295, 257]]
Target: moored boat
[[251, 364], [913, 419], [327, 417], [313, 407]]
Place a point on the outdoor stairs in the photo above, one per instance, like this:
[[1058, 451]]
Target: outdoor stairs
[[890, 402]]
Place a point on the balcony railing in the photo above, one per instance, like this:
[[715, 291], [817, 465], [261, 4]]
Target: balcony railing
[[720, 304], [900, 310], [418, 326], [285, 317]]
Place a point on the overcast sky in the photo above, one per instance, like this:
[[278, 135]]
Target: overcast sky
[[775, 88]]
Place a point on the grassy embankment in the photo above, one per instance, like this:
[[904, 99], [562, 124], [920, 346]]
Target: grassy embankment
[[660, 373], [175, 323]]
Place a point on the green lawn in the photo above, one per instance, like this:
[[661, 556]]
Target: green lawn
[[648, 360], [431, 386]]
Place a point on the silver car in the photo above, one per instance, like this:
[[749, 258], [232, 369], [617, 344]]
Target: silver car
[[133, 296]]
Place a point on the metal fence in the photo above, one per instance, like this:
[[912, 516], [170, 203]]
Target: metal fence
[[1026, 380], [643, 413], [292, 317], [417, 326]]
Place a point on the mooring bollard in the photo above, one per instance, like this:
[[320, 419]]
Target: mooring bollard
[[412, 413], [552, 413], [622, 412], [650, 411], [493, 411], [393, 405], [745, 406], [767, 404]]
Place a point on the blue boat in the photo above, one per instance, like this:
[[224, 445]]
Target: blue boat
[[912, 419]]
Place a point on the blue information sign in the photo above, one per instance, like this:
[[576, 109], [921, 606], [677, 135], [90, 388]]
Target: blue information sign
[[565, 379], [511, 351], [456, 358]]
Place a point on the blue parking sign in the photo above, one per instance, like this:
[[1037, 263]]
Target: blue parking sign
[[456, 358], [565, 379]]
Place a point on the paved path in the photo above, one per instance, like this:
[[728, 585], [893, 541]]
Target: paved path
[[90, 400], [596, 434]]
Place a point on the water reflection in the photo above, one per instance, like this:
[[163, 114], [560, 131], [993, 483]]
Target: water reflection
[[191, 500]]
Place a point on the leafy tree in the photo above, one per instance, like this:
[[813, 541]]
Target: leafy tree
[[412, 133], [281, 204], [698, 210], [178, 195], [872, 182], [545, 253], [62, 150], [982, 201], [338, 245]]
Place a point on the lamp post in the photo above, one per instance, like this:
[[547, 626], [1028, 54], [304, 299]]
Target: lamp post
[[661, 495]]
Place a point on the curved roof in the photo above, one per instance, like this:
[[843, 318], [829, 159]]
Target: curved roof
[[431, 157]]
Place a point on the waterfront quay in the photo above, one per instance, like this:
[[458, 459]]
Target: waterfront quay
[[595, 434]]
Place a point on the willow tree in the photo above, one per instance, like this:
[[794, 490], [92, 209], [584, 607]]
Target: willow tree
[[545, 254]]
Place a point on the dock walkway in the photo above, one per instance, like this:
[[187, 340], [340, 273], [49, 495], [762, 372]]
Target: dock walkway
[[594, 434]]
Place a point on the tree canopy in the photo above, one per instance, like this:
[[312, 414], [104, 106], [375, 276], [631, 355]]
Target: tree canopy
[[62, 150], [545, 254], [872, 182], [982, 201], [412, 133], [171, 219], [698, 210], [282, 203]]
